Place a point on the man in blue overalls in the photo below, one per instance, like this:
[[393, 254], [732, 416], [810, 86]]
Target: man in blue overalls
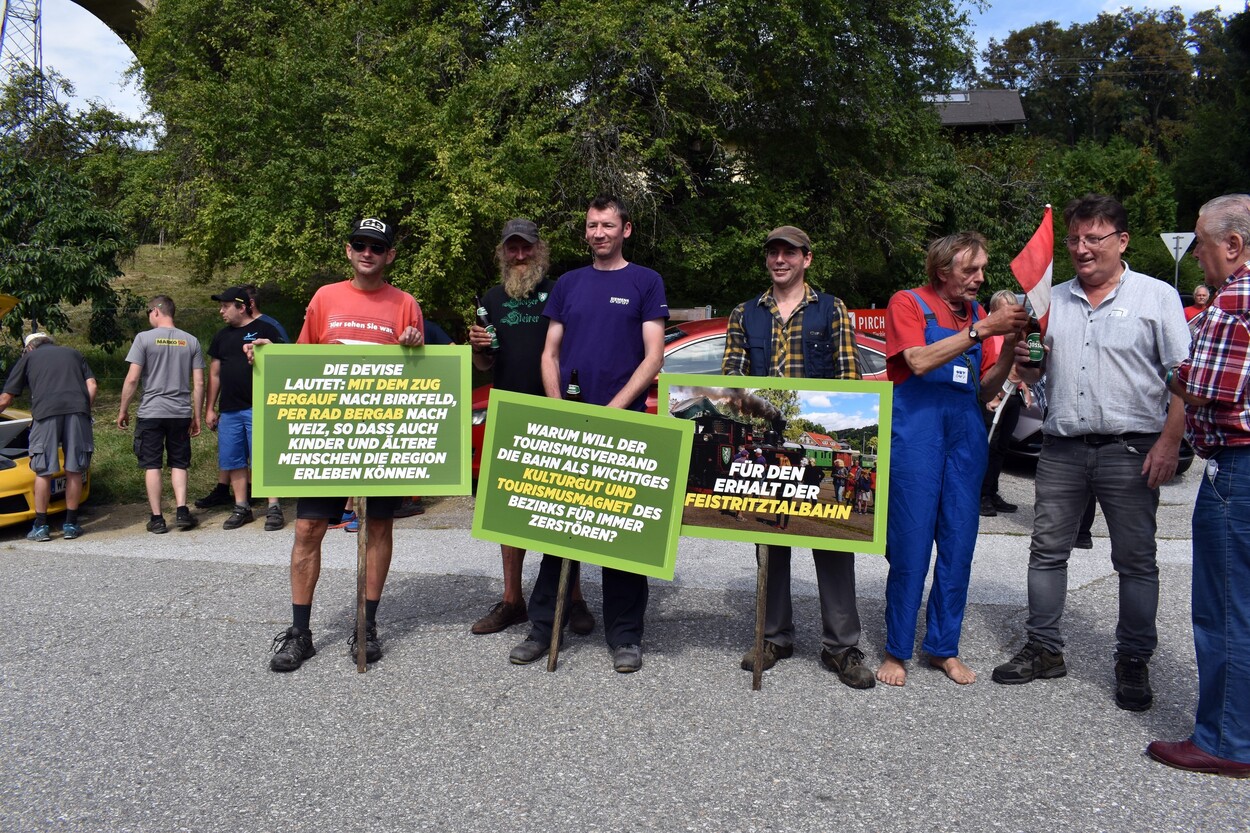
[[939, 367]]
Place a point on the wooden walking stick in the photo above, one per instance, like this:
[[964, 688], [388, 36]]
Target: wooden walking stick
[[362, 569], [761, 604], [553, 654]]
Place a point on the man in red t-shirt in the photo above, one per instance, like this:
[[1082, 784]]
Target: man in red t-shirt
[[941, 370], [364, 309]]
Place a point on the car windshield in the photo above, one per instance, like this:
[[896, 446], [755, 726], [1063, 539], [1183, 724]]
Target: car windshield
[[702, 356]]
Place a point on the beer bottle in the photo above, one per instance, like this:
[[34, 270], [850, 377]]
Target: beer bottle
[[483, 321], [573, 393], [1034, 339]]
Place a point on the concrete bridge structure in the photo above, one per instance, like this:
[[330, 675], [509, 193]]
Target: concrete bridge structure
[[122, 16]]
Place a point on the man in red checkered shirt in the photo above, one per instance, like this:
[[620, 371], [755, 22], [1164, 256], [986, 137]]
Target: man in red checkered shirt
[[1213, 382]]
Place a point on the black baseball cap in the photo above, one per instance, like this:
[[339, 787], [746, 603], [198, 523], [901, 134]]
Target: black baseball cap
[[371, 228], [233, 295]]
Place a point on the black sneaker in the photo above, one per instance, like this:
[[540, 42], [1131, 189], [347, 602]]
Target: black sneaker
[[157, 525], [219, 496], [1032, 662], [373, 646], [184, 520], [290, 649], [239, 516], [274, 519], [1132, 684], [1002, 505], [409, 507]]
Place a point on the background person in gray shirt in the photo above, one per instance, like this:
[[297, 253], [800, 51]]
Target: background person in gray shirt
[[168, 362], [1112, 431]]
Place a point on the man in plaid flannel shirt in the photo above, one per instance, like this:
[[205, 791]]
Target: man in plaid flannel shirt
[[1213, 382]]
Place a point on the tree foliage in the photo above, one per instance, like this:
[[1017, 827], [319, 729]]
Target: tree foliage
[[1132, 74], [715, 121], [59, 245], [1213, 157]]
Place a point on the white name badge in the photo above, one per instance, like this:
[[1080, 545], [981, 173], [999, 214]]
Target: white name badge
[[961, 375]]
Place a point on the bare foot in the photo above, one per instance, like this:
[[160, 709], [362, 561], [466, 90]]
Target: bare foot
[[892, 671], [954, 668]]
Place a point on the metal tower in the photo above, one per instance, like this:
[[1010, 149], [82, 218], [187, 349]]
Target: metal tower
[[21, 39]]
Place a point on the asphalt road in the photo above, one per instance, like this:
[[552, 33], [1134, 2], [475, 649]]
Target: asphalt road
[[135, 696]]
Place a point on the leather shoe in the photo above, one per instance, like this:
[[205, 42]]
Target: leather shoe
[[502, 615], [772, 653], [1186, 755], [849, 666], [581, 620], [1002, 505], [626, 659], [528, 651], [987, 508]]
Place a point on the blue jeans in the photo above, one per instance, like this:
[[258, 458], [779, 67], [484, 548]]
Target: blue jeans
[[1068, 472], [1221, 606]]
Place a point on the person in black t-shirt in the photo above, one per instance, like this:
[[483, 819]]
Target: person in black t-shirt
[[515, 307], [62, 391], [230, 377]]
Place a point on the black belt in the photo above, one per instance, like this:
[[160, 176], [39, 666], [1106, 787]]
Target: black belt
[[1107, 439], [1099, 439]]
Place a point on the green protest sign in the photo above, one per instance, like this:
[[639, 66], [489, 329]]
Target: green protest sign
[[761, 471], [582, 481], [360, 420]]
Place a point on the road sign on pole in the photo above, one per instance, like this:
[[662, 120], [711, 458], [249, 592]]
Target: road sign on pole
[[1177, 243]]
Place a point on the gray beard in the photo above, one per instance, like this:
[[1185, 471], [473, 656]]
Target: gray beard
[[519, 281]]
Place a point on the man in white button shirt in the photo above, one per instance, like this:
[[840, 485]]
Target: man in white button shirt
[[1111, 430]]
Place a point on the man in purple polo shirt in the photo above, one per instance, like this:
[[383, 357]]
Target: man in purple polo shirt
[[606, 322]]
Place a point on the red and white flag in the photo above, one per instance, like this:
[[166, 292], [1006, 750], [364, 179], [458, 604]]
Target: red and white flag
[[1034, 268]]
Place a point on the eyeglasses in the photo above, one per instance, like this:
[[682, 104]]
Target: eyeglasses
[[153, 309], [1090, 242], [376, 248]]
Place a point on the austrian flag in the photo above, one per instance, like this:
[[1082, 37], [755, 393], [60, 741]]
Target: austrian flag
[[1034, 268]]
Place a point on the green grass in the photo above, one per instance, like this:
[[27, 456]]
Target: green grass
[[155, 270]]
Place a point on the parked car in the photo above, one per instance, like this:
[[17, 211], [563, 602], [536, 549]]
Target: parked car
[[689, 347], [17, 481]]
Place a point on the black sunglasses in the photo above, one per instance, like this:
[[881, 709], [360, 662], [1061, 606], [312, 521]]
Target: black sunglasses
[[376, 248]]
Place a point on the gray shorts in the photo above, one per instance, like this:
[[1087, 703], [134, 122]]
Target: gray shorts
[[71, 432]]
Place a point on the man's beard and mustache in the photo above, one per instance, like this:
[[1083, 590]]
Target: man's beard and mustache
[[519, 279]]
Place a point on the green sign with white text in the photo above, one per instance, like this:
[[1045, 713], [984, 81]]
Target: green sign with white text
[[360, 420], [586, 482]]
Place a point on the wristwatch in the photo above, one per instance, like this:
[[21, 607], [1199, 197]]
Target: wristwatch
[[973, 334]]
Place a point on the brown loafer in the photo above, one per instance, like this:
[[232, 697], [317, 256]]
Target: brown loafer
[[502, 615], [1187, 756], [581, 620]]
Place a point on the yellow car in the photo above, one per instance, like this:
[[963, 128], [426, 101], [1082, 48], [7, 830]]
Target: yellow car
[[17, 481]]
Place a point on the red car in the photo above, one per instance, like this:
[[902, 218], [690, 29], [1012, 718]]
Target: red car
[[690, 347]]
